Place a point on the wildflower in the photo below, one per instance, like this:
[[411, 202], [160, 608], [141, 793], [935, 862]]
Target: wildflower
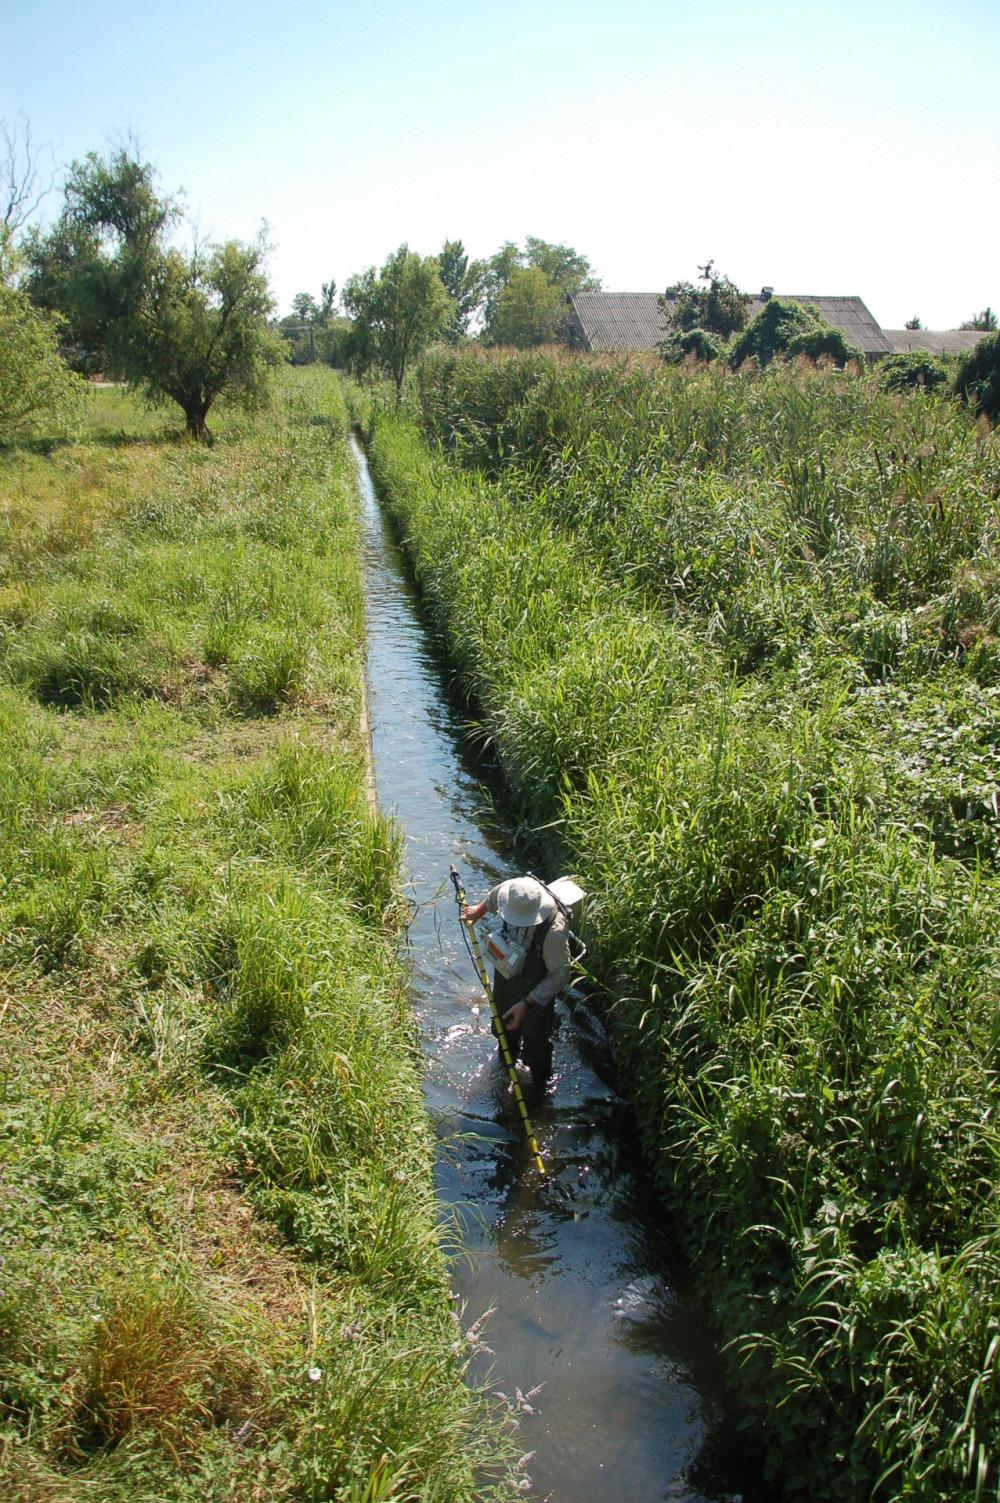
[[314, 1374]]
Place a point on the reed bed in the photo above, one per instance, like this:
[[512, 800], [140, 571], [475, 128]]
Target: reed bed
[[734, 639], [221, 1276]]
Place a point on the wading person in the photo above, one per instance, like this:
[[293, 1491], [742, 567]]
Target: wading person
[[536, 937]]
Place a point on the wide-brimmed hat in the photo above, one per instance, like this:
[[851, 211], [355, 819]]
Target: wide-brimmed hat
[[523, 902]]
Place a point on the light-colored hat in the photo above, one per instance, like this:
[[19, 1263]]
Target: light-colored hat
[[523, 903]]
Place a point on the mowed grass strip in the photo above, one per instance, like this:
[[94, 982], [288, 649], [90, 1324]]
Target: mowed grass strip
[[734, 641], [220, 1275]]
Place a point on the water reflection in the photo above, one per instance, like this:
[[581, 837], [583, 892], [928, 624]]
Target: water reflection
[[590, 1314]]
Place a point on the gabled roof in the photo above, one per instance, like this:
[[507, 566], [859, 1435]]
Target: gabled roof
[[635, 320], [945, 342]]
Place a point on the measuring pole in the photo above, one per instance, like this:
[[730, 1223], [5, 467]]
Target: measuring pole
[[480, 964]]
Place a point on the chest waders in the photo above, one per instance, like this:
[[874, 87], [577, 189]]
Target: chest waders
[[497, 1024], [533, 1041]]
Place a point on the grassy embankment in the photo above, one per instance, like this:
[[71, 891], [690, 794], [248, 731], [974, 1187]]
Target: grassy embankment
[[736, 642], [220, 1277]]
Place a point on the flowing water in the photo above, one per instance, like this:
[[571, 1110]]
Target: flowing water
[[594, 1339]]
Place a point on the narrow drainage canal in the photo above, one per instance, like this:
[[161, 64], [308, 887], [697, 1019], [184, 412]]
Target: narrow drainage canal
[[589, 1306]]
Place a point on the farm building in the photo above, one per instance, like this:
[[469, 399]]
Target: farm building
[[635, 320], [945, 342]]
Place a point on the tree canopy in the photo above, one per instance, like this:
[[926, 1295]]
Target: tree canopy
[[188, 327], [201, 332], [397, 313], [35, 384], [465, 282], [529, 309], [985, 321], [563, 268]]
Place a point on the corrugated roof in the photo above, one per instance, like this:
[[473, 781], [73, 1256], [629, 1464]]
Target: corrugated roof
[[944, 342], [635, 320], [619, 320]]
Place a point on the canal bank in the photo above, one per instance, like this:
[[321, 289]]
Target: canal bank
[[594, 1340]]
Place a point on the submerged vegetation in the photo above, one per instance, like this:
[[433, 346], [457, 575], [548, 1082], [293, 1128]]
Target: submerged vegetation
[[220, 1275], [736, 640]]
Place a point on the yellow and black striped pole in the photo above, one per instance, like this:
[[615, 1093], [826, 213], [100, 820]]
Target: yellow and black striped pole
[[480, 964]]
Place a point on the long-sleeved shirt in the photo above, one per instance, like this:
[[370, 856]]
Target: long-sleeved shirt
[[555, 951]]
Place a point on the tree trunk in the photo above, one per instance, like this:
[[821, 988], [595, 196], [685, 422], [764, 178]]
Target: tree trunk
[[195, 414]]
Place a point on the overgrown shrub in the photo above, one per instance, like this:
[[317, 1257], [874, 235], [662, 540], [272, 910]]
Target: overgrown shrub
[[692, 342], [915, 368], [977, 380], [786, 328]]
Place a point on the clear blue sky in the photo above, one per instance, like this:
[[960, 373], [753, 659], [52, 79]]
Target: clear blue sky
[[825, 146]]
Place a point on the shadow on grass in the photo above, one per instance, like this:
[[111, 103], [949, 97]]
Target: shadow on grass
[[48, 444]]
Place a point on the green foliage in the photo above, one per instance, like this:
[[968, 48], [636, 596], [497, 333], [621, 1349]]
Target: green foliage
[[789, 329], [465, 283], [740, 674], [977, 379], [691, 344], [529, 309], [200, 332], [188, 328], [92, 266], [36, 388], [915, 368], [565, 268], [719, 308], [397, 313], [309, 327]]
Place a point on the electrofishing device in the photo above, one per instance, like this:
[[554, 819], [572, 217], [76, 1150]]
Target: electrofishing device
[[506, 954], [501, 1032]]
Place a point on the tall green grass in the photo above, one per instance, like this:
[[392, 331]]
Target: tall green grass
[[221, 1276], [731, 637]]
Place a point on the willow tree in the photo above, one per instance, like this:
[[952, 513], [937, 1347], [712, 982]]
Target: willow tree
[[200, 332], [191, 327]]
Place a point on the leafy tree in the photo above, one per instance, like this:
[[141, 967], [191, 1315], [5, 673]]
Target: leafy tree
[[530, 309], [305, 326], [977, 380], [986, 321], [91, 267], [190, 328], [305, 307], [397, 313], [333, 341], [913, 323], [564, 267], [719, 307], [788, 329], [35, 384], [201, 332], [499, 268], [465, 283]]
